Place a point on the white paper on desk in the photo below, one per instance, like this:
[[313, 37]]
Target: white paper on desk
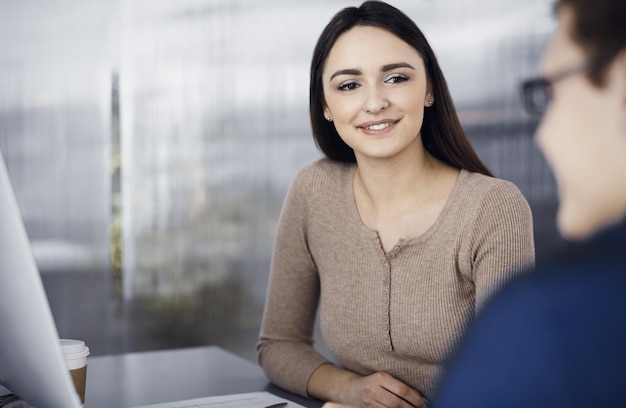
[[246, 400]]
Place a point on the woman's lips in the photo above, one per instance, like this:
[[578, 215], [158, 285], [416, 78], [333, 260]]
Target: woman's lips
[[378, 127]]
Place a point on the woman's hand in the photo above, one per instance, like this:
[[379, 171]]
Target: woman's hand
[[331, 383], [382, 390]]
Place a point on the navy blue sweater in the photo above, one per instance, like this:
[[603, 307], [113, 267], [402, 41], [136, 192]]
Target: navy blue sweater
[[556, 338]]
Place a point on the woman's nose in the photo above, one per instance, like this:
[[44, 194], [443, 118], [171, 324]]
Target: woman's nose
[[376, 101]]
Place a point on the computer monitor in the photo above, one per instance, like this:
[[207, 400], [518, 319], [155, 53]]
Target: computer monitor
[[31, 360]]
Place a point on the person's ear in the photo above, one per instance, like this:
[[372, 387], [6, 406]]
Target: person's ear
[[327, 114], [429, 98]]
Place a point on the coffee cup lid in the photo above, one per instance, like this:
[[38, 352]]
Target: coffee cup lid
[[74, 348]]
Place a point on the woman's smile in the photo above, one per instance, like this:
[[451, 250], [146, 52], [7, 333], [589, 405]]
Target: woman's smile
[[378, 127]]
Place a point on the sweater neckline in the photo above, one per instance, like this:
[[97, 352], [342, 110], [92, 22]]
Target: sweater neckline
[[402, 241]]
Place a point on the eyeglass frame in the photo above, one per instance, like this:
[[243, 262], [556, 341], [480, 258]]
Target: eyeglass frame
[[530, 87]]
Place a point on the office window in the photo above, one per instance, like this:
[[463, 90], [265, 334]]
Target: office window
[[171, 129]]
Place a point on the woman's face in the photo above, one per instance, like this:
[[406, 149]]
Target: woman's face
[[583, 136], [375, 88]]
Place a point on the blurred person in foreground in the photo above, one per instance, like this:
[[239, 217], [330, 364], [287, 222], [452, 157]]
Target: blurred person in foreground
[[557, 338], [400, 234]]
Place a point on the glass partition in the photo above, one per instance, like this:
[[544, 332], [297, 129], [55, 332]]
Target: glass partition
[[151, 143]]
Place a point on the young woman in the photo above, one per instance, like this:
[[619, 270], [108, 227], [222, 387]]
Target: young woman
[[399, 235]]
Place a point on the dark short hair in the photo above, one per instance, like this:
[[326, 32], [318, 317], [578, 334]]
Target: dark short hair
[[442, 134], [599, 27]]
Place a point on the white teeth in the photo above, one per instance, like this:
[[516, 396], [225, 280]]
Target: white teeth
[[380, 126]]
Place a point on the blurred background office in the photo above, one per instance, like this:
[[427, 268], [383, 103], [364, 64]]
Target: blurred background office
[[151, 142]]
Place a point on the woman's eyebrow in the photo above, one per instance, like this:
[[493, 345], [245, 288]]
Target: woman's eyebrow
[[350, 71], [390, 67]]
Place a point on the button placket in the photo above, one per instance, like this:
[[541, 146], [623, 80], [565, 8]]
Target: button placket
[[385, 326]]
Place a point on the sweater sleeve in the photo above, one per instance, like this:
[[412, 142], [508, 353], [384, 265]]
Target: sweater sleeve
[[502, 241], [285, 348]]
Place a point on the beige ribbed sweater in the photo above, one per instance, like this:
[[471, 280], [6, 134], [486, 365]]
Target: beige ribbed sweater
[[401, 312]]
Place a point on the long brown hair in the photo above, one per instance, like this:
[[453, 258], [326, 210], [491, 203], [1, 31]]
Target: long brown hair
[[442, 134]]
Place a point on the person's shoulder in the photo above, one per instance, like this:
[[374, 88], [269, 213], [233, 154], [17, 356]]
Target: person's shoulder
[[489, 185], [602, 251], [563, 285], [492, 197], [323, 171], [525, 291]]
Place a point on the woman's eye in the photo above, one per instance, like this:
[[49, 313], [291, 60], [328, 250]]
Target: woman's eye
[[348, 86], [396, 79]]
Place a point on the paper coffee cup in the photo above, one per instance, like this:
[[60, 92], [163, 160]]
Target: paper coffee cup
[[76, 352]]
